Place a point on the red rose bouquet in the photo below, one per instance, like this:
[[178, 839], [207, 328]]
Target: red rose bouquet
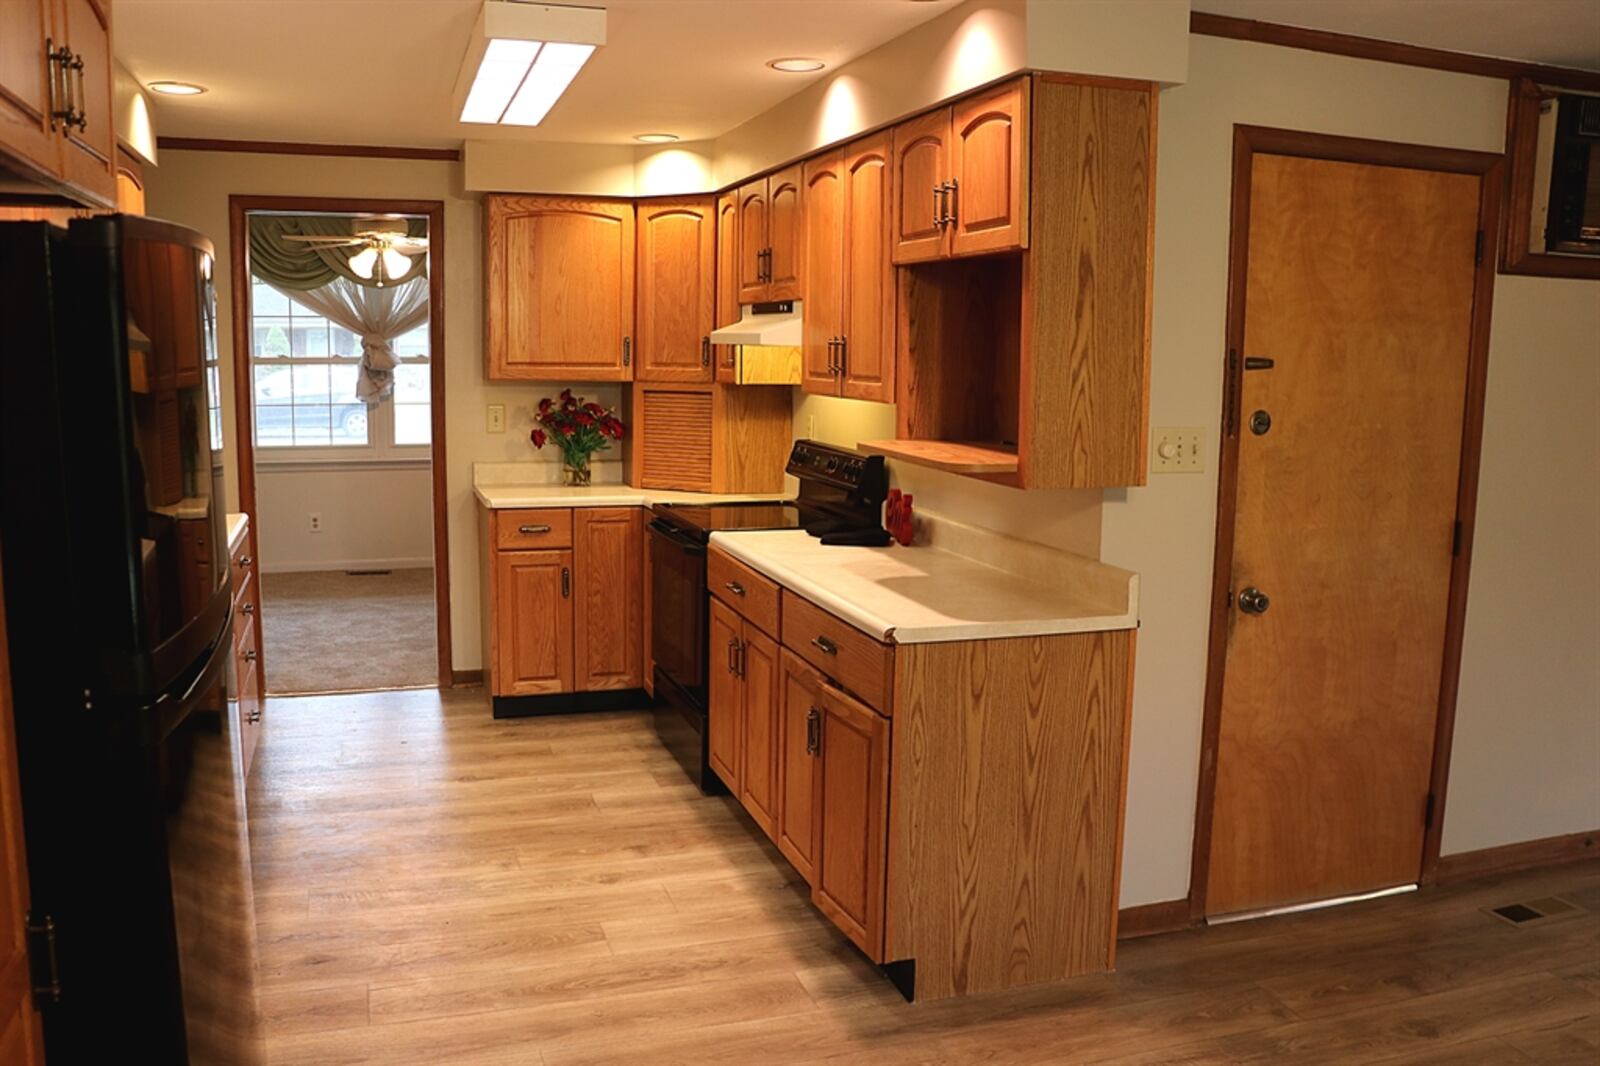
[[578, 428]]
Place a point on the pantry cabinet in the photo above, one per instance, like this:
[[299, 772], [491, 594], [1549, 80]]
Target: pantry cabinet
[[55, 94], [769, 235], [676, 289], [559, 277]]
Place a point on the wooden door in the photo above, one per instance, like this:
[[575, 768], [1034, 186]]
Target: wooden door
[[853, 804], [988, 203], [676, 289], [725, 704], [799, 764], [560, 289], [607, 603], [752, 218], [726, 355], [920, 148], [21, 1042], [1359, 287], [89, 152], [785, 234], [759, 679], [824, 273], [533, 622], [869, 293], [25, 91]]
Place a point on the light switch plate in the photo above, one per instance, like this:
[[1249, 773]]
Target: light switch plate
[[1177, 451], [496, 421]]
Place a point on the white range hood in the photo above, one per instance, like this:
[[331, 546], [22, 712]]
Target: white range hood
[[781, 329]]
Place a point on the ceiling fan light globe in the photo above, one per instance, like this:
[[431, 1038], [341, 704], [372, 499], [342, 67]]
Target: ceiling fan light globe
[[395, 264], [362, 263]]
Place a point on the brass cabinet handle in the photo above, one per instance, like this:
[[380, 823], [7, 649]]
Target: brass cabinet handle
[[80, 116], [813, 732], [705, 351], [938, 206], [734, 587], [951, 206], [844, 346], [627, 350], [824, 645], [734, 650], [566, 582], [529, 531]]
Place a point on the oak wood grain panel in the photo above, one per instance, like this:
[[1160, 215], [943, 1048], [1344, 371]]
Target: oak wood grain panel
[[607, 602], [799, 768], [755, 597], [921, 148], [760, 682], [673, 432], [724, 355], [89, 151], [527, 528], [824, 319], [785, 234], [676, 289], [1008, 761], [25, 84], [869, 287], [989, 144], [22, 1041], [725, 701], [753, 219], [853, 812], [860, 663], [533, 622], [956, 457], [1339, 681], [752, 430], [560, 288], [1086, 323]]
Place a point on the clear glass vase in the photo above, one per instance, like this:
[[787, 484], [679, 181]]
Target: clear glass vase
[[575, 475]]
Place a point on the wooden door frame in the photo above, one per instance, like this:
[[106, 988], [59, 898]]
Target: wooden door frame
[[239, 209], [1248, 141]]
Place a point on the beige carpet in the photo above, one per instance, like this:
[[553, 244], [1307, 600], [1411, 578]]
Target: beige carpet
[[338, 632]]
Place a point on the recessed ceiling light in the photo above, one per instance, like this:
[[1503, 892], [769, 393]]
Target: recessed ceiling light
[[176, 88], [796, 64], [655, 138]]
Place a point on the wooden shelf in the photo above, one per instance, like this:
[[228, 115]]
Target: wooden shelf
[[957, 457]]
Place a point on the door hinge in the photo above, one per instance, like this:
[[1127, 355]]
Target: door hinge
[[1455, 539], [1477, 249], [1427, 812], [45, 972]]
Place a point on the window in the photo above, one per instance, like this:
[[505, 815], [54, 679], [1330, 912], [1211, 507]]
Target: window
[[305, 370]]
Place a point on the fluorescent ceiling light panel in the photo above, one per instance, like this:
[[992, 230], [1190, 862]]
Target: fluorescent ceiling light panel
[[522, 57]]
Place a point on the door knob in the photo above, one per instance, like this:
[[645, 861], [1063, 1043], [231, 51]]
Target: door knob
[[1253, 601]]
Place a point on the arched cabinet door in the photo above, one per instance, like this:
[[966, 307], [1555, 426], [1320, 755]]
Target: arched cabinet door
[[988, 200], [921, 149], [677, 282], [866, 360], [824, 273]]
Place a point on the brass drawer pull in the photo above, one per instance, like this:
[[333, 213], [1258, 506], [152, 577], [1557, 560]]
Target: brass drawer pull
[[529, 531], [825, 646], [813, 732], [734, 587]]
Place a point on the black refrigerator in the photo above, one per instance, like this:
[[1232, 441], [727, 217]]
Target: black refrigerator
[[118, 609]]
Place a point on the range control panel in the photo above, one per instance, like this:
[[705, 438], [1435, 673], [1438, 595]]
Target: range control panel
[[817, 464]]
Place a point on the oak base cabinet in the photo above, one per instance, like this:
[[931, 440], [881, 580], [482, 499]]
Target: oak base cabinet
[[743, 713]]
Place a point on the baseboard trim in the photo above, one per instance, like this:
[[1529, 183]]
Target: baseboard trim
[[465, 678], [1150, 919], [1512, 858], [423, 562]]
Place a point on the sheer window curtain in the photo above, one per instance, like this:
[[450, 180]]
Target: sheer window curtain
[[377, 316]]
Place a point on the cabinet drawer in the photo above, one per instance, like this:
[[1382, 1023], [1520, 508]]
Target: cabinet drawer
[[245, 642], [741, 588], [243, 565], [533, 527], [856, 661]]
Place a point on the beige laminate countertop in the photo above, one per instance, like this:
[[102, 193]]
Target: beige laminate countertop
[[496, 497], [924, 595]]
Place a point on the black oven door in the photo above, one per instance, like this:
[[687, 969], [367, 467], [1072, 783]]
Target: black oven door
[[678, 607]]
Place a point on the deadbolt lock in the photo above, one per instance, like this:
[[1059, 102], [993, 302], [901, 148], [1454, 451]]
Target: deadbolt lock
[[1253, 601], [1260, 422]]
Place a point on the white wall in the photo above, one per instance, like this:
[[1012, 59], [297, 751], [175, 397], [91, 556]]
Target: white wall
[[373, 517]]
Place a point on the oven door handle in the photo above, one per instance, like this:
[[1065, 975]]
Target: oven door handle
[[676, 537]]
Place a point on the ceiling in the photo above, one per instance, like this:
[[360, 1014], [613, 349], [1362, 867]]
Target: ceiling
[[1562, 33], [383, 71]]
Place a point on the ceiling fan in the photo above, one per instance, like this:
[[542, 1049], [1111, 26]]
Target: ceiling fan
[[386, 248]]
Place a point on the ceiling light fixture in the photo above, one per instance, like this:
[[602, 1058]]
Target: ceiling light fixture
[[655, 138], [521, 59], [796, 64], [176, 88]]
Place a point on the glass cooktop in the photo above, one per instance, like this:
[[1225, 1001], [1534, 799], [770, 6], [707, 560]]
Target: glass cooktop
[[710, 517]]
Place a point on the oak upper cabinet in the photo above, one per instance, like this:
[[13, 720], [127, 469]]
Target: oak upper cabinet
[[677, 274], [560, 280], [725, 356], [824, 258], [961, 177], [55, 93], [533, 622], [799, 768], [852, 807], [769, 227], [607, 607]]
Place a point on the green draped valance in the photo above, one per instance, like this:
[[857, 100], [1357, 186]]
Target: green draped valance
[[302, 267]]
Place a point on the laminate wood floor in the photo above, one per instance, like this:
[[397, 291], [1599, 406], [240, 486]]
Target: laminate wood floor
[[434, 886]]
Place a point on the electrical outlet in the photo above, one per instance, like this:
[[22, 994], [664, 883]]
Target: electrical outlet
[[316, 521], [1178, 451], [496, 421]]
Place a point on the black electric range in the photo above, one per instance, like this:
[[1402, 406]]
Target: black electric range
[[840, 500]]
